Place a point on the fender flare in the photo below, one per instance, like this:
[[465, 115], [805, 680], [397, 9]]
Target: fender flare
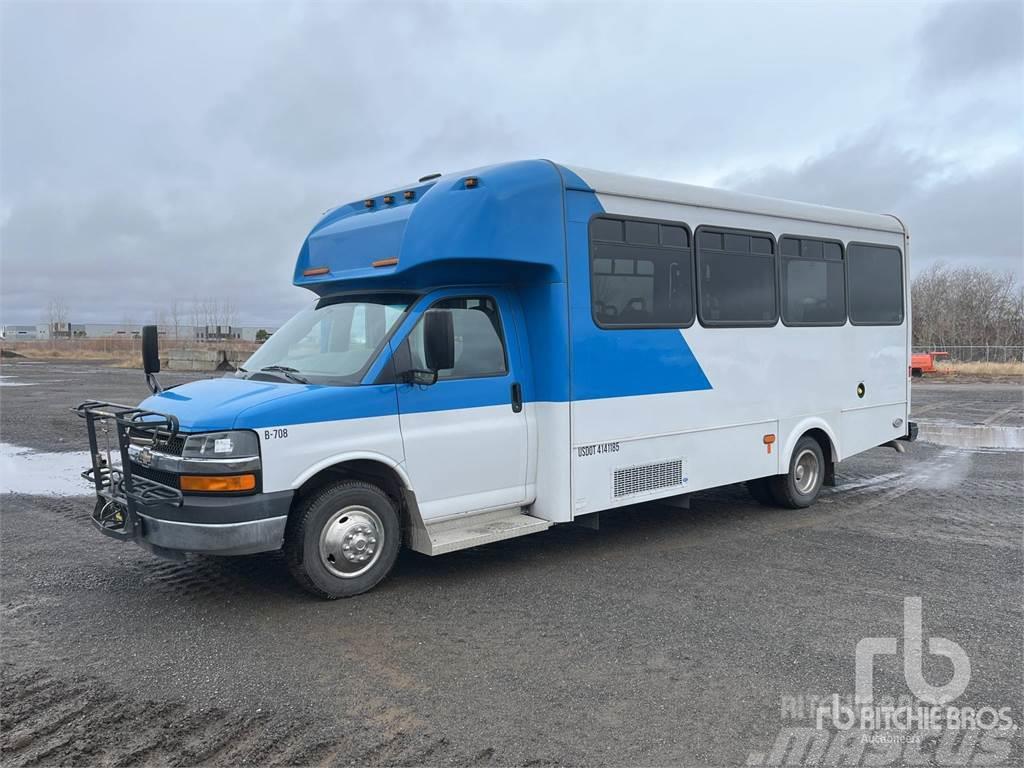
[[805, 425], [341, 458]]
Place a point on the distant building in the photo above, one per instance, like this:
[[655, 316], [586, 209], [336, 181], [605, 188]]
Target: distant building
[[131, 331]]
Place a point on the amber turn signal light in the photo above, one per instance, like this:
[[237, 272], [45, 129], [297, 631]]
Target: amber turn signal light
[[218, 483]]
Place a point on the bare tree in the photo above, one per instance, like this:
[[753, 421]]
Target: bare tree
[[175, 312], [967, 306], [57, 314]]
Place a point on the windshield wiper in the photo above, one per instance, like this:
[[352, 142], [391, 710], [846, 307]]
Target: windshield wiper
[[289, 373]]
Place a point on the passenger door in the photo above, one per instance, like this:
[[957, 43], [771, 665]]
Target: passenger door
[[465, 435]]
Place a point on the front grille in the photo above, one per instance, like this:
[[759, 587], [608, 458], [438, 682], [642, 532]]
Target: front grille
[[165, 478], [175, 446], [644, 478]]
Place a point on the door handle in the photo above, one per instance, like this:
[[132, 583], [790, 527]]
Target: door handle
[[517, 397]]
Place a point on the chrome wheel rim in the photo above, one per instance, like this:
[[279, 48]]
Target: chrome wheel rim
[[351, 541], [805, 471]]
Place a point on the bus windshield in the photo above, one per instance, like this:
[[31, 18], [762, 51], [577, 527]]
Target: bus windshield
[[333, 342]]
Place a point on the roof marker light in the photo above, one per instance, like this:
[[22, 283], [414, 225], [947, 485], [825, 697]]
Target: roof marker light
[[409, 194], [368, 203], [389, 199], [471, 182], [313, 271], [385, 262]]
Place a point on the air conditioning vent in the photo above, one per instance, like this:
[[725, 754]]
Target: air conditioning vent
[[645, 478]]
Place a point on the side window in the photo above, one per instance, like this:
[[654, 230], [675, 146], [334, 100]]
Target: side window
[[813, 282], [736, 278], [875, 281], [479, 342], [640, 273]]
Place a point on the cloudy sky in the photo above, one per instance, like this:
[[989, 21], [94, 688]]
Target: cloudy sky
[[173, 150]]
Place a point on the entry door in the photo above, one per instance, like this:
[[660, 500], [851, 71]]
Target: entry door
[[465, 436]]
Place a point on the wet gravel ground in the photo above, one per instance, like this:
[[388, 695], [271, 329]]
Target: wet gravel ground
[[667, 637]]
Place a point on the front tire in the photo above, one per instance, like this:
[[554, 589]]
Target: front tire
[[343, 539], [799, 487]]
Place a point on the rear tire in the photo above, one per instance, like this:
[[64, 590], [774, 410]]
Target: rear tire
[[799, 487], [343, 539]]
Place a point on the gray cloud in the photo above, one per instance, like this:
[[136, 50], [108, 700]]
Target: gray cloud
[[183, 150], [962, 215], [970, 38]]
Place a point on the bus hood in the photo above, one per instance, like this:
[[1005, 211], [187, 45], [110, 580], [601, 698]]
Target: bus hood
[[210, 405]]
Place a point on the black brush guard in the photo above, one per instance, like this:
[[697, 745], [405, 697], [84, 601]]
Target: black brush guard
[[120, 493]]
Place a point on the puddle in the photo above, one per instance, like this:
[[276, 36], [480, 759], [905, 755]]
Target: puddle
[[23, 470], [972, 435]]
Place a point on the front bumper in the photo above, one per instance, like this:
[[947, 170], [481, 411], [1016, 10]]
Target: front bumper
[[218, 526]]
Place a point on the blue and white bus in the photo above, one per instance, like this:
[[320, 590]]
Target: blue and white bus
[[493, 352]]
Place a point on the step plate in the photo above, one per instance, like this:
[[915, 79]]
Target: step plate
[[475, 531]]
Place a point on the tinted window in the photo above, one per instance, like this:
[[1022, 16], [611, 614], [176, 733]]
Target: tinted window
[[644, 279], [479, 344], [875, 280], [736, 279], [813, 283]]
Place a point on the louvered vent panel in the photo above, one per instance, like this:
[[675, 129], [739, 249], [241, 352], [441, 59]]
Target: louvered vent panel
[[643, 478]]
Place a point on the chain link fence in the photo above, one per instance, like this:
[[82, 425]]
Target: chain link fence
[[978, 353]]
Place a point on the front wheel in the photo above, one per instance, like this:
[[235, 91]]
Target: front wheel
[[343, 539], [799, 487]]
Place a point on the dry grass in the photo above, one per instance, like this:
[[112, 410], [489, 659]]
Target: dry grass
[[980, 369]]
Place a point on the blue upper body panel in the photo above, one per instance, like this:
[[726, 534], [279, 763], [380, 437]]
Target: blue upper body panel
[[508, 228]]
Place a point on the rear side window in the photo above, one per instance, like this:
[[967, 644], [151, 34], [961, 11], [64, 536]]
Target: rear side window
[[736, 278], [641, 273], [875, 284], [813, 282], [479, 341]]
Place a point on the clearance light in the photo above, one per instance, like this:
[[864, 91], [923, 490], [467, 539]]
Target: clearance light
[[218, 483], [368, 203], [768, 440], [409, 194], [313, 271], [385, 262], [389, 199], [471, 182]]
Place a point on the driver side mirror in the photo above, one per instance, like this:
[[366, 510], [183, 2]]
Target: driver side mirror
[[439, 340], [151, 356], [150, 350]]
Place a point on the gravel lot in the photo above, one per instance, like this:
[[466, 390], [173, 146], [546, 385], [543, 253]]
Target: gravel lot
[[667, 637]]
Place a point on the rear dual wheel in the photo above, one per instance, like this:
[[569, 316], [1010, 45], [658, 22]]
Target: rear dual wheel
[[800, 486]]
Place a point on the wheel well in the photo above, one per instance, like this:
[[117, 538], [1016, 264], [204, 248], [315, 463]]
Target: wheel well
[[367, 470], [827, 449]]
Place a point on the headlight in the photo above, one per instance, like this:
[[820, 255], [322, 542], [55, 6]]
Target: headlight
[[240, 444]]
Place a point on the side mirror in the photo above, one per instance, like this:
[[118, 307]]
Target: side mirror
[[151, 357], [150, 350], [439, 339]]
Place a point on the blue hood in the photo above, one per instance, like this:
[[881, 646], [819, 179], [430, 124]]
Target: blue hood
[[229, 403]]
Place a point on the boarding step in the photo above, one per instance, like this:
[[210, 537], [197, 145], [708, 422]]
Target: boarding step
[[474, 530]]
